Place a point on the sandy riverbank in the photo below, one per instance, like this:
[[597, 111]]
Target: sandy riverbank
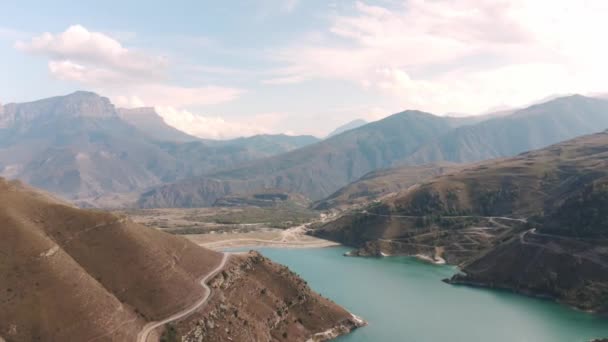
[[290, 238]]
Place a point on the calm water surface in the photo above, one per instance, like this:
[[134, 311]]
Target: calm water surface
[[404, 300]]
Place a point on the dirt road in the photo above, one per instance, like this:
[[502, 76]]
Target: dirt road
[[148, 328]]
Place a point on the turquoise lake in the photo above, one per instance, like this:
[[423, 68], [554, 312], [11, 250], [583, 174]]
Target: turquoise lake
[[405, 300]]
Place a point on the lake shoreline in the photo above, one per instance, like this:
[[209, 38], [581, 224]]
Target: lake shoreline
[[530, 294], [409, 291]]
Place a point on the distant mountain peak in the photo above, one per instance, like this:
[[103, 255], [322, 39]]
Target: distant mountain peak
[[147, 120], [75, 105], [556, 105], [347, 127], [83, 93], [567, 98]]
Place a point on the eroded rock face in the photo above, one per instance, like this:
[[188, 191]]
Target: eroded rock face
[[255, 299]]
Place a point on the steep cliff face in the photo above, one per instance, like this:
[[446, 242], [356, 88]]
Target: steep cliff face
[[255, 299], [77, 105]]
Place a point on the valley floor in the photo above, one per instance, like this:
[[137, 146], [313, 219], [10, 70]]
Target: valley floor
[[279, 238], [219, 228]]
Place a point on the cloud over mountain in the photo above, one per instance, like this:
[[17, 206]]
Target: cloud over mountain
[[131, 76]]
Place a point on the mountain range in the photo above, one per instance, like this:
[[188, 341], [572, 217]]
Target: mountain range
[[407, 138], [347, 127], [80, 146], [316, 170]]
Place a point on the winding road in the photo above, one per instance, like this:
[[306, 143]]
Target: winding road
[[148, 328], [522, 220]]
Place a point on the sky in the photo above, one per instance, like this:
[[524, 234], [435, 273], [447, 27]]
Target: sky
[[221, 69]]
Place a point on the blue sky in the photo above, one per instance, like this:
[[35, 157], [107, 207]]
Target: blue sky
[[231, 68]]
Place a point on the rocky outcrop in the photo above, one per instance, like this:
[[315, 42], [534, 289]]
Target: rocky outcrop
[[255, 299], [343, 328]]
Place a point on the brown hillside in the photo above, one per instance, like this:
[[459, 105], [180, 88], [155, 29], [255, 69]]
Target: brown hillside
[[540, 185], [74, 275], [533, 183], [376, 184]]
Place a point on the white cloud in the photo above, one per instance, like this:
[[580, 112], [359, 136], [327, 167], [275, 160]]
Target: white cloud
[[168, 95], [122, 101], [459, 55], [130, 77], [471, 92], [95, 49], [216, 127], [116, 86], [67, 70]]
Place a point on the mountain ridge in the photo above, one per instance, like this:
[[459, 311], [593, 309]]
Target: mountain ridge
[[150, 122], [407, 138], [313, 170], [347, 127], [529, 128], [80, 147]]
